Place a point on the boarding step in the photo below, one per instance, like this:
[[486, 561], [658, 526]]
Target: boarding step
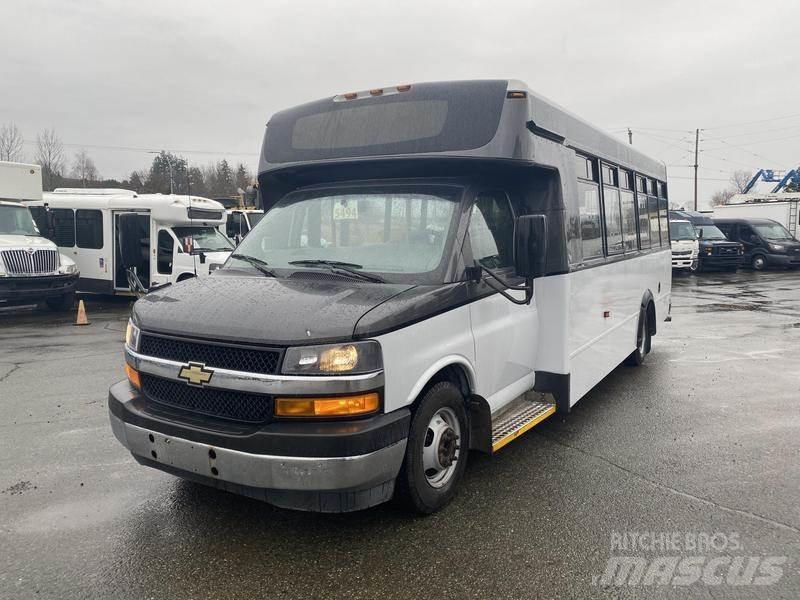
[[522, 414]]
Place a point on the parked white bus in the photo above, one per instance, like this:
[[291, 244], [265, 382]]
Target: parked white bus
[[441, 267], [107, 232], [31, 268]]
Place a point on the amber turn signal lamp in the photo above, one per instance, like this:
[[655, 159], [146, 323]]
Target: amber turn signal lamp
[[516, 94], [350, 96], [133, 376], [341, 406], [376, 92], [403, 88]]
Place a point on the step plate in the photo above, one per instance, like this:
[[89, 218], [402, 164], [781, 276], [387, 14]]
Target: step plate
[[513, 424]]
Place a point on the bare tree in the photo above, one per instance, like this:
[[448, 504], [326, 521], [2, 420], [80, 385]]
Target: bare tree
[[739, 180], [10, 143], [50, 155], [83, 167], [722, 196]]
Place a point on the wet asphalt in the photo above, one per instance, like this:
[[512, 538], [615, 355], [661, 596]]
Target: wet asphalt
[[704, 438]]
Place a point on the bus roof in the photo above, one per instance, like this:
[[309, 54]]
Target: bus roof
[[480, 119]]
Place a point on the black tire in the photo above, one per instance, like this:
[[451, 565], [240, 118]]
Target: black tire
[[758, 262], [61, 303], [695, 267], [637, 357], [414, 487]]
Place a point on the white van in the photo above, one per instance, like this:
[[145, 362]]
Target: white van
[[31, 268], [111, 233]]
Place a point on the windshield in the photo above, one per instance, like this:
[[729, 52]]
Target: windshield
[[710, 232], [681, 230], [16, 220], [398, 231], [202, 239], [773, 231]]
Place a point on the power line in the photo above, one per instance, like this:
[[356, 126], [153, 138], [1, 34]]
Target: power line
[[737, 135], [744, 146], [752, 122], [155, 149]]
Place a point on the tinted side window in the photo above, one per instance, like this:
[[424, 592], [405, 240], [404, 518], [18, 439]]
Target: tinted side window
[[491, 230], [628, 220], [655, 228], [63, 227], [89, 229], [591, 226], [644, 222], [166, 245], [613, 216], [663, 212]]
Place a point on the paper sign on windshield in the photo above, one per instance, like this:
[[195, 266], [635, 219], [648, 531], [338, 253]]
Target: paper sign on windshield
[[346, 210]]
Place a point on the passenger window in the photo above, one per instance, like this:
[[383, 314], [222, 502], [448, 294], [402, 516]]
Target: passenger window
[[491, 231], [166, 245], [63, 227], [89, 229], [655, 228], [613, 216], [591, 226], [628, 204], [644, 223]]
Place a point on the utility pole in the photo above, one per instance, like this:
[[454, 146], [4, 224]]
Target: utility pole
[[696, 148], [630, 136]]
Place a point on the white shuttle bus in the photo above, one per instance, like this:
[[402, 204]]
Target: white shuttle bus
[[111, 232], [441, 267]]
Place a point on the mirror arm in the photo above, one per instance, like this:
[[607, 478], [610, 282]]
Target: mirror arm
[[527, 287]]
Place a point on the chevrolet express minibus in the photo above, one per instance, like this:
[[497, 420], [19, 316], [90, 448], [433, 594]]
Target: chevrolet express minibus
[[441, 266]]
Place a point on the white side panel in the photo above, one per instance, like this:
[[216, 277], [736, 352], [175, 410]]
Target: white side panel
[[599, 343], [505, 347], [551, 295], [19, 181], [96, 263], [777, 211], [413, 354]]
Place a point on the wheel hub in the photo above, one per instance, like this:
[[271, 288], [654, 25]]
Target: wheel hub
[[448, 444]]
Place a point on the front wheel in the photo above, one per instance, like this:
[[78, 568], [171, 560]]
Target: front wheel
[[695, 266], [637, 357], [758, 262], [437, 449]]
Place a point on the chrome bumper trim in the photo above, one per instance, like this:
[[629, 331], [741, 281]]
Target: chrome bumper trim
[[262, 470], [259, 383]]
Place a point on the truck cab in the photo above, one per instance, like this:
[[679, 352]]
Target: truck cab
[[716, 251], [31, 268], [685, 246]]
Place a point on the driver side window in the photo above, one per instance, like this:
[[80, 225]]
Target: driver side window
[[491, 230]]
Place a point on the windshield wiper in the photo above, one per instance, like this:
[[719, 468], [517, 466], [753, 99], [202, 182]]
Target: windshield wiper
[[344, 267], [257, 263]]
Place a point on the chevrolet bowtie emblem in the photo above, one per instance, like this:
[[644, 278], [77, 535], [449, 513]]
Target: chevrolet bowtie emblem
[[195, 374]]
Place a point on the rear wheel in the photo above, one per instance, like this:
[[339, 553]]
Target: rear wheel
[[436, 453], [61, 303], [637, 357], [758, 262]]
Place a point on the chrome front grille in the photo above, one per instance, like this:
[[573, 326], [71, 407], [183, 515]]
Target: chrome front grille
[[24, 262]]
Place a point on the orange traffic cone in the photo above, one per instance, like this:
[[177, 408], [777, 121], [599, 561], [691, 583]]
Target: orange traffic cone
[[82, 318]]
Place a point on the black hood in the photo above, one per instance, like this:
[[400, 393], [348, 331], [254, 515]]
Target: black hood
[[262, 310]]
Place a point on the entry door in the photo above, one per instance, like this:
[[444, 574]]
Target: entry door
[[131, 247], [744, 234], [505, 333]]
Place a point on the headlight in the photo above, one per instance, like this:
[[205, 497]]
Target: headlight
[[358, 357], [777, 248], [708, 250], [2, 268], [70, 269], [132, 336]]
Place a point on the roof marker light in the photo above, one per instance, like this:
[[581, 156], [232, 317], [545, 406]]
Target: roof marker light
[[516, 94], [376, 92], [403, 88], [350, 96]]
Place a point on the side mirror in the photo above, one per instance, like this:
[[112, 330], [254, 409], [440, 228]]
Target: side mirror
[[530, 246], [700, 233]]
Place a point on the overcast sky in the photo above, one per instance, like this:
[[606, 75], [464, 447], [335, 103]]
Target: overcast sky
[[196, 77]]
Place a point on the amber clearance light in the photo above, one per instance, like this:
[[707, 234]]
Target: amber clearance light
[[341, 406], [133, 376]]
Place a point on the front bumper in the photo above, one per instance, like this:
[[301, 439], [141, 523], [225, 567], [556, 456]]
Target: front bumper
[[683, 261], [335, 466], [35, 288], [783, 260], [723, 261]]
